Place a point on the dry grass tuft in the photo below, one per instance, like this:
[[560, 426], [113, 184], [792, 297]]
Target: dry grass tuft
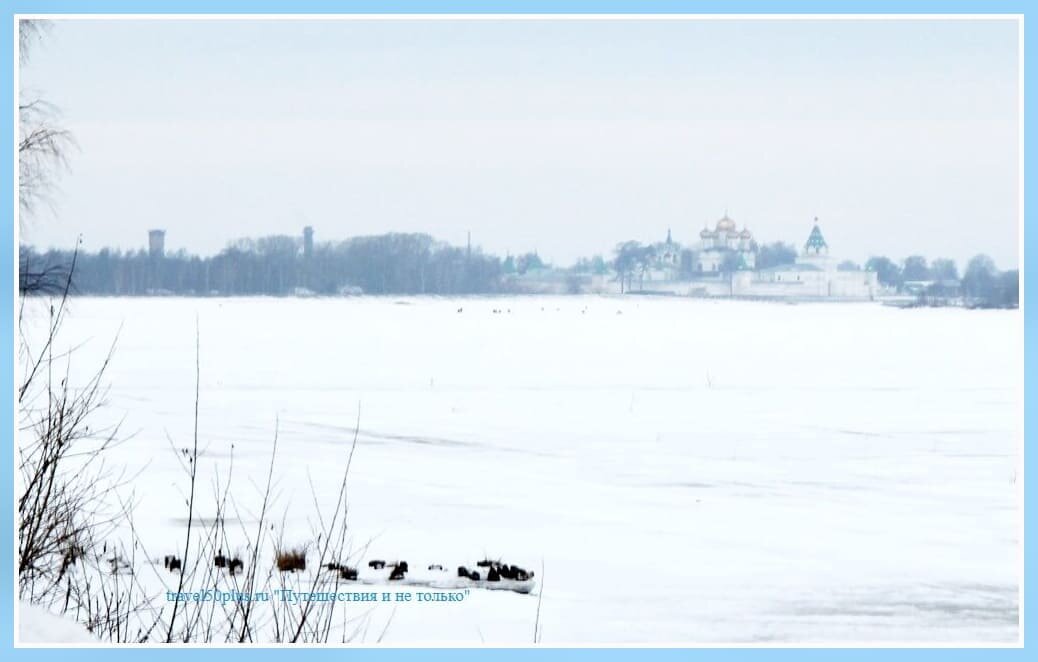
[[290, 560]]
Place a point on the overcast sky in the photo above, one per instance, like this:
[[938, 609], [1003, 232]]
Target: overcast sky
[[564, 137]]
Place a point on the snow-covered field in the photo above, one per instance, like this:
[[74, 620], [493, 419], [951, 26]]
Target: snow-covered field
[[685, 471], [36, 625]]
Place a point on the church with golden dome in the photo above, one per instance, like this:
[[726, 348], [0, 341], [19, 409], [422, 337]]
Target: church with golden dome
[[725, 248], [725, 265]]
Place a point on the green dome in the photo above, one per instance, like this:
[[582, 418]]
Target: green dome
[[815, 242]]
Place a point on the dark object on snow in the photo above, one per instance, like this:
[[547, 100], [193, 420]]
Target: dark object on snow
[[377, 564], [332, 566], [220, 561], [166, 560], [402, 565], [174, 564], [496, 571], [474, 576], [398, 572], [291, 560], [515, 573], [234, 565], [436, 566], [347, 573], [463, 571]]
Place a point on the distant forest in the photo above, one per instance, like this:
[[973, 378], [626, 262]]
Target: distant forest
[[276, 265], [399, 263]]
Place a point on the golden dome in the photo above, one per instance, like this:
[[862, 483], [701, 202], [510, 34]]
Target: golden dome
[[725, 224], [746, 234]]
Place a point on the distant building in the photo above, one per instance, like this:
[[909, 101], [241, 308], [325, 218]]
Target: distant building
[[725, 266], [933, 292], [813, 275], [156, 243], [666, 261], [725, 246]]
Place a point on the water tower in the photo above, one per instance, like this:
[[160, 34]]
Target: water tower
[[156, 243]]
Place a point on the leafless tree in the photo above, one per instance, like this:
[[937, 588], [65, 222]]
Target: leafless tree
[[63, 483], [43, 145]]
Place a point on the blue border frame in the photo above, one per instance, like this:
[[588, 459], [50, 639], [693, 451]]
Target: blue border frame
[[7, 297]]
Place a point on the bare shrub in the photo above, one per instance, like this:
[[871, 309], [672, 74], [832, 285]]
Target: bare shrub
[[290, 560], [63, 483]]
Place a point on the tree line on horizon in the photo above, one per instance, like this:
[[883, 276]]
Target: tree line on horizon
[[416, 263], [276, 265], [981, 282]]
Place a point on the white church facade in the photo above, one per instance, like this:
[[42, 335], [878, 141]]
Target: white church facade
[[724, 265], [813, 275], [725, 246]]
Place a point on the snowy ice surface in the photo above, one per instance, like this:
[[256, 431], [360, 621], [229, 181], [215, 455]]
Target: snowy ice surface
[[36, 625], [683, 470]]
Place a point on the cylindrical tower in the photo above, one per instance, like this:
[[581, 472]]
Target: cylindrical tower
[[156, 243]]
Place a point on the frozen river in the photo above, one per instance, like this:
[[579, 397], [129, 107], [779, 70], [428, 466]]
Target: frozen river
[[685, 471]]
